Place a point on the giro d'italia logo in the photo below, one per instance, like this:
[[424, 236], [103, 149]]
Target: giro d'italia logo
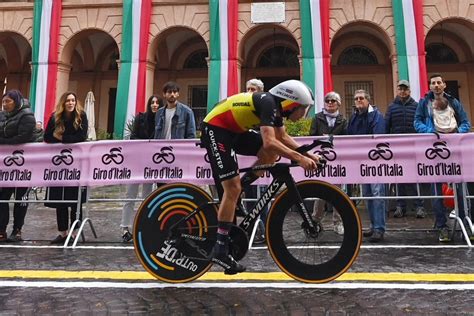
[[16, 158], [381, 151], [65, 157], [439, 150], [114, 155], [165, 155]]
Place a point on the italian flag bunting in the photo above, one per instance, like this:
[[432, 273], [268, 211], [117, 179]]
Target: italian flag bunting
[[46, 22], [223, 46], [409, 34], [316, 57], [132, 75]]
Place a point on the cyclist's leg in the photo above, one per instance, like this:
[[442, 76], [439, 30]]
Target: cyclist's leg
[[219, 145]]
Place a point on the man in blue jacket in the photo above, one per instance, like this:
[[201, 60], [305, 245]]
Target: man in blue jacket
[[399, 120], [429, 119], [175, 120], [367, 119]]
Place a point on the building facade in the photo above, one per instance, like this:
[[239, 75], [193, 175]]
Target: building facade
[[362, 45]]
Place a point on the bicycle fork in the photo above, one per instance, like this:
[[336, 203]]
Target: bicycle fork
[[310, 227]]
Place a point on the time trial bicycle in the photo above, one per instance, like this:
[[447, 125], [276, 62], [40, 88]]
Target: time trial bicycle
[[176, 226]]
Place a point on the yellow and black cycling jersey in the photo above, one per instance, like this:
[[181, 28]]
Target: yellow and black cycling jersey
[[244, 111]]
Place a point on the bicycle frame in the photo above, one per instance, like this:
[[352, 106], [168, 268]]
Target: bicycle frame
[[281, 175]]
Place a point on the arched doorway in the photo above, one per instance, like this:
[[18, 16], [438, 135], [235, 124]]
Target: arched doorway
[[15, 57], [269, 53], [361, 60], [89, 63], [181, 55], [450, 52]]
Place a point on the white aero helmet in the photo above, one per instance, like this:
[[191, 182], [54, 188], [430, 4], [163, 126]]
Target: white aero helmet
[[295, 93]]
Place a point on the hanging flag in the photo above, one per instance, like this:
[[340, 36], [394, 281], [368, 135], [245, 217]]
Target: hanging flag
[[132, 75], [410, 37], [223, 56], [46, 22], [316, 57]]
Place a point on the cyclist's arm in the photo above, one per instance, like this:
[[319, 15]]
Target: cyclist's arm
[[289, 142], [274, 141]]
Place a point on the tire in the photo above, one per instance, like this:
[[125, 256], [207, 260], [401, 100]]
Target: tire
[[307, 258], [175, 259]]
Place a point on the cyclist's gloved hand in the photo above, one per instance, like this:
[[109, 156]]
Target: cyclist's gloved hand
[[321, 163]]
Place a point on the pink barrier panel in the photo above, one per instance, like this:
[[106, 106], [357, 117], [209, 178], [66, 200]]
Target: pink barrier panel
[[361, 159]]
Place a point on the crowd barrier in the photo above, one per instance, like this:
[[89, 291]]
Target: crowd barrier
[[391, 159]]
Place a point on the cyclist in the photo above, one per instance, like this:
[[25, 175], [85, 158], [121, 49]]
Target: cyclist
[[226, 132]]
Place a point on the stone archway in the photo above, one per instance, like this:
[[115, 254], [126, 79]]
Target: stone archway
[[89, 63], [450, 52], [270, 53], [180, 54], [360, 59], [15, 57]]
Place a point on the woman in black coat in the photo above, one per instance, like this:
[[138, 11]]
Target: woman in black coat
[[68, 124], [17, 123]]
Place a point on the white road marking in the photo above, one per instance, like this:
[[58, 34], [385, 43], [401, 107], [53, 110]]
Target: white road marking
[[234, 285]]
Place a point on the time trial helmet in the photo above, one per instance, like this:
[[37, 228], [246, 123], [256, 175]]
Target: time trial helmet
[[294, 93]]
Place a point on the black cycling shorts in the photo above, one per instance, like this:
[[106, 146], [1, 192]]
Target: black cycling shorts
[[222, 145]]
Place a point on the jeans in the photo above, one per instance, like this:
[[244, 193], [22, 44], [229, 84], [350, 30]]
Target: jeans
[[405, 189], [377, 208], [132, 193], [440, 210]]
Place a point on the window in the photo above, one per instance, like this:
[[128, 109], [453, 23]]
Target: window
[[357, 55], [196, 60], [439, 53], [197, 100], [349, 88], [278, 57]]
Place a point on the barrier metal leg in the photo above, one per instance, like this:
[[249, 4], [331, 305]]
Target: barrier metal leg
[[81, 231], [69, 235]]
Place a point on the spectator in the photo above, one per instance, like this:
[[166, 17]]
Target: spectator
[[38, 133], [254, 85], [367, 119], [68, 124], [175, 120], [143, 128], [439, 112], [329, 122], [399, 120], [17, 123]]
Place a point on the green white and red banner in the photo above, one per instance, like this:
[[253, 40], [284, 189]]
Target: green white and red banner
[[410, 37], [131, 85], [46, 22], [223, 77], [316, 57]]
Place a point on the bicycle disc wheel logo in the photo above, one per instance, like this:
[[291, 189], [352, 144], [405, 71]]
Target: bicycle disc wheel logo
[[15, 158], [163, 210], [439, 149], [64, 157], [382, 150], [165, 154], [327, 151], [114, 155]]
